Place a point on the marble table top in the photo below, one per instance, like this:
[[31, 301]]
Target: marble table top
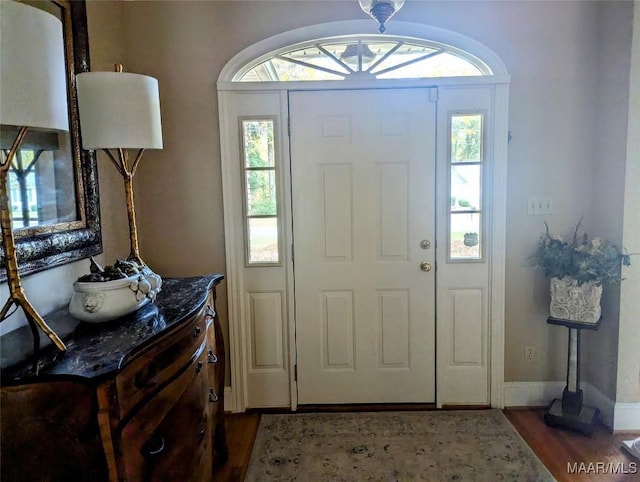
[[96, 351]]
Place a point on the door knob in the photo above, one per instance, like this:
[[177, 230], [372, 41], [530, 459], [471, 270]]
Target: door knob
[[425, 266]]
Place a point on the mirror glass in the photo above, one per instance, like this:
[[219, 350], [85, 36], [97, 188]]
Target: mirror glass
[[52, 183], [42, 179]]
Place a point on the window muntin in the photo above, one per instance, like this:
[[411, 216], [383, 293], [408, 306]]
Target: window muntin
[[261, 210], [23, 197], [466, 162], [369, 56]]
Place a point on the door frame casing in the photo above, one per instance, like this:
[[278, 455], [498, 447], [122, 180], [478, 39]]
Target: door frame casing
[[234, 238]]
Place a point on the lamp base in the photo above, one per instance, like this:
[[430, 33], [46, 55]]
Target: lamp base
[[19, 299]]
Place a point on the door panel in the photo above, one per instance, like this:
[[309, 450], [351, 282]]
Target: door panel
[[463, 294], [259, 304], [363, 190]]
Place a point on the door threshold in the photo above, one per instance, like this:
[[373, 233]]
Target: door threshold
[[466, 407], [367, 407]]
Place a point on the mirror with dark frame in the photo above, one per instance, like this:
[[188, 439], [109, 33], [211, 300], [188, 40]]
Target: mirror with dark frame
[[53, 185]]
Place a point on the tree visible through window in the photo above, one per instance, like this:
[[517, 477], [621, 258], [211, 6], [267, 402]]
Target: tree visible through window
[[465, 188], [261, 200], [261, 188]]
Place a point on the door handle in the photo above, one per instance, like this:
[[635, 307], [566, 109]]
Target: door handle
[[425, 266]]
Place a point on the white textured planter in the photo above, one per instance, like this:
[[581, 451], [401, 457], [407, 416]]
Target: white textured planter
[[572, 302], [95, 302]]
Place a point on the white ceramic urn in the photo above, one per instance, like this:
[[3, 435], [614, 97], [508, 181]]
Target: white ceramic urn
[[96, 302]]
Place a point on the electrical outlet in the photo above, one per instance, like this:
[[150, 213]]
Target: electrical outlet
[[529, 353]]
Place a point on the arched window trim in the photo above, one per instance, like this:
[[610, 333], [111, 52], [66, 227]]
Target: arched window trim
[[324, 44], [459, 43]]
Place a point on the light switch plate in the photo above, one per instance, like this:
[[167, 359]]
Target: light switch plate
[[540, 205]]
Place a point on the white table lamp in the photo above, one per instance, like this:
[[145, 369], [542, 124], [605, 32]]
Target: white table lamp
[[120, 111]]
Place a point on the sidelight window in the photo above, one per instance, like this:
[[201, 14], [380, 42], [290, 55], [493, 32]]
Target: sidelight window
[[261, 191], [466, 163]]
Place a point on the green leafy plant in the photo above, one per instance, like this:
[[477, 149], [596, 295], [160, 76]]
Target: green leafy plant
[[580, 257]]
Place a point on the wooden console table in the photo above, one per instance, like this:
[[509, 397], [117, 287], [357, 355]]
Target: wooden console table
[[138, 398], [570, 411]]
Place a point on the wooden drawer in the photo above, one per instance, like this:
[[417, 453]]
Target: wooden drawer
[[169, 439], [151, 369], [49, 432], [154, 414]]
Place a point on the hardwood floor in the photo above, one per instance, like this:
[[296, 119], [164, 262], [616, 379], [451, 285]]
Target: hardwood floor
[[241, 432], [555, 447], [558, 448]]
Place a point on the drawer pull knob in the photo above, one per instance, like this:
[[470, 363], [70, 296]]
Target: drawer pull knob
[[199, 367], [145, 380], [155, 448], [209, 312], [197, 331], [211, 357], [213, 397]]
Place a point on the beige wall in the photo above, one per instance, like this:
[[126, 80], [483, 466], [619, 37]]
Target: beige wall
[[550, 49], [628, 381], [610, 101]]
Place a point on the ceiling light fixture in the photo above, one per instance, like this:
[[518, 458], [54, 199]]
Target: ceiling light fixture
[[381, 10], [357, 55]]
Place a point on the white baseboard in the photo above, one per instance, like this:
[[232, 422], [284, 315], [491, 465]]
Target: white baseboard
[[626, 416], [531, 394], [228, 400], [538, 394]]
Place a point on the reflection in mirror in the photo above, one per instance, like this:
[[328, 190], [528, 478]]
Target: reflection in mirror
[[41, 179], [52, 183]]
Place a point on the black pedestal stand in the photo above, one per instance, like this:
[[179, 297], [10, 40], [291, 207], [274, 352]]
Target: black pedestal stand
[[570, 411]]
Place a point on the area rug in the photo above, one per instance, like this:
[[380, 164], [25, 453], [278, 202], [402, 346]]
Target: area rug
[[461, 445]]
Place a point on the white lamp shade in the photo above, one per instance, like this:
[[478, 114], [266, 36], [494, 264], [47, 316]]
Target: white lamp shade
[[119, 110], [33, 82]]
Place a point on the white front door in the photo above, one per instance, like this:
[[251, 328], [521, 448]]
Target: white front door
[[363, 194]]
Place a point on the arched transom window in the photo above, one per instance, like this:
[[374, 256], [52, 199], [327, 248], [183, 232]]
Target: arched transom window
[[364, 57]]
